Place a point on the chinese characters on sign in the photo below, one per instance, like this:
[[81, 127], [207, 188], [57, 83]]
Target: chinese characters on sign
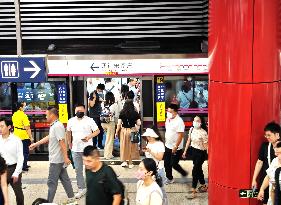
[[160, 93], [63, 114], [160, 106], [62, 94]]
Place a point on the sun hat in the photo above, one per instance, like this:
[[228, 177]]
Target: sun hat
[[150, 133]]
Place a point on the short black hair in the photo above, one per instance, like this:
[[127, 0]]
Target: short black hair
[[272, 127], [101, 86], [130, 95], [90, 150], [107, 80], [19, 105], [174, 107], [7, 121], [53, 110], [3, 165], [80, 105]]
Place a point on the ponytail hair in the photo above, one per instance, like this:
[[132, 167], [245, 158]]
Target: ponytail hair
[[150, 166]]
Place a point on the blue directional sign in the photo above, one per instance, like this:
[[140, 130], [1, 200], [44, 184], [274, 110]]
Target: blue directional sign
[[22, 69], [62, 94], [160, 92]]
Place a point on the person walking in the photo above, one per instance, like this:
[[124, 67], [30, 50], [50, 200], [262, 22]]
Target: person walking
[[198, 142], [108, 123], [3, 182], [148, 186], [95, 107], [80, 131], [22, 130], [102, 183], [57, 156], [11, 151], [173, 143], [155, 150], [128, 122], [266, 155]]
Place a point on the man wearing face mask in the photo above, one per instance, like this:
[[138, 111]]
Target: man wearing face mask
[[95, 100], [80, 131], [173, 143]]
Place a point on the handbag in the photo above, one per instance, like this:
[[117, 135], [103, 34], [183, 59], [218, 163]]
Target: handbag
[[135, 137]]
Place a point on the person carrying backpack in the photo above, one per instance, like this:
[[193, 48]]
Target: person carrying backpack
[[103, 187], [108, 123]]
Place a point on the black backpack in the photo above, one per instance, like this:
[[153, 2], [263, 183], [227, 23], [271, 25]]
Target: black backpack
[[125, 200]]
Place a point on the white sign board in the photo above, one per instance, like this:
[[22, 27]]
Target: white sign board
[[127, 67]]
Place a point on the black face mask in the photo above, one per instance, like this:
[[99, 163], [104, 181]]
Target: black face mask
[[80, 114]]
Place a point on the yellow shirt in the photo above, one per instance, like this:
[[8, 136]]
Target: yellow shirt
[[20, 120]]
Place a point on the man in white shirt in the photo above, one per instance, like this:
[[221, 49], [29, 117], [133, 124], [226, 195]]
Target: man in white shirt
[[80, 131], [173, 143], [11, 149], [57, 156]]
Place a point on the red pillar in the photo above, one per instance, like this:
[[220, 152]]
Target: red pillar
[[245, 82]]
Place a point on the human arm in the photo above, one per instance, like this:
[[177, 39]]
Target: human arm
[[117, 199], [186, 146], [40, 142], [264, 185], [180, 137], [26, 126], [157, 155], [118, 128], [257, 170], [20, 159], [64, 152], [4, 188], [69, 139]]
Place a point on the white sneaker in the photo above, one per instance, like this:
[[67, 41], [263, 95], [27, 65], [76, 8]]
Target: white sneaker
[[168, 181], [124, 164], [131, 166], [80, 193]]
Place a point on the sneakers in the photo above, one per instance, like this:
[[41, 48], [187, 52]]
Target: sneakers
[[124, 164], [80, 193], [71, 201], [131, 166], [168, 181]]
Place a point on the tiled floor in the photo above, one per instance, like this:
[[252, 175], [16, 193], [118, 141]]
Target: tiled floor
[[35, 185]]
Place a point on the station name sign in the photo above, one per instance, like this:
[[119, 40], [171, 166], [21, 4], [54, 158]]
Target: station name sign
[[128, 67]]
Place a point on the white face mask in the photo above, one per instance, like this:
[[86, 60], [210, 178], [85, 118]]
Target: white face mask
[[169, 115], [196, 125]]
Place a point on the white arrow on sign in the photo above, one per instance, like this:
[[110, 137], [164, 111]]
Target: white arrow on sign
[[35, 69]]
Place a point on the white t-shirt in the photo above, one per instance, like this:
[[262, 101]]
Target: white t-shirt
[[81, 129], [199, 137], [156, 147], [271, 174], [114, 111], [173, 127], [148, 195]]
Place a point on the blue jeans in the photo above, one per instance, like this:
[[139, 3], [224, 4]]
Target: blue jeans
[[78, 163]]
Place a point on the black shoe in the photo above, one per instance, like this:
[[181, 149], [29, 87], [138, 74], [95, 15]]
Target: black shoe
[[101, 147], [28, 166], [25, 170]]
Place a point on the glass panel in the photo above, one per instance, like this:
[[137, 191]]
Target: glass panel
[[5, 96]]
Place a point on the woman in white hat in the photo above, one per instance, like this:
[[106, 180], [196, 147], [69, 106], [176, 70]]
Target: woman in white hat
[[155, 149]]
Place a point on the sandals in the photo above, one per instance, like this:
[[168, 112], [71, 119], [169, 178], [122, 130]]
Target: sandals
[[192, 194], [203, 188]]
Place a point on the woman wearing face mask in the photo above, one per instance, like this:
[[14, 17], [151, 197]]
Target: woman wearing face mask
[[155, 150], [273, 179], [148, 186], [198, 140]]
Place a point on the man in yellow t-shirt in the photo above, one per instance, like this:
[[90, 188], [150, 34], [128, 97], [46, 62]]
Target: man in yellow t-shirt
[[22, 130]]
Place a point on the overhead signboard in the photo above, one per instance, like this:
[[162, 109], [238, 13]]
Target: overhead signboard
[[22, 69], [127, 67]]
